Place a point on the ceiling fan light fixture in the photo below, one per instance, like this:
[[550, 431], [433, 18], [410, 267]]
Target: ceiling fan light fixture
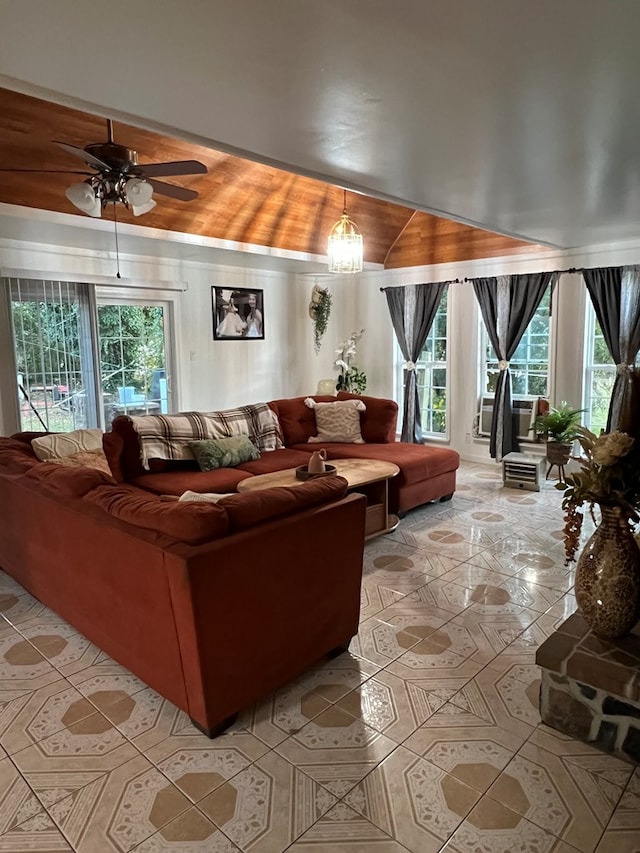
[[345, 247], [139, 209], [83, 197], [138, 192]]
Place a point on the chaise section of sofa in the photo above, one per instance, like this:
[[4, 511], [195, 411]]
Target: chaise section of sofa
[[212, 605], [427, 472]]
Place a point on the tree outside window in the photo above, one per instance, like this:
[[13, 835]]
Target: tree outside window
[[529, 365], [431, 375]]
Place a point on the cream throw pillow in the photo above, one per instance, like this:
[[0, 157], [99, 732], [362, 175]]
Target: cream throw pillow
[[339, 421], [84, 459], [66, 443]]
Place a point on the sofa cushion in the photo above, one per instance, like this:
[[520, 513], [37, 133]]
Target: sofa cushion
[[16, 455], [59, 444], [378, 423], [158, 466], [278, 460], [68, 482], [27, 436], [212, 453], [112, 447], [250, 508], [338, 421], [169, 436], [297, 422], [128, 462], [177, 482], [258, 421], [186, 522], [85, 459]]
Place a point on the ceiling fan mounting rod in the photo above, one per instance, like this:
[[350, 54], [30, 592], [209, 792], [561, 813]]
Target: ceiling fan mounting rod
[[116, 157]]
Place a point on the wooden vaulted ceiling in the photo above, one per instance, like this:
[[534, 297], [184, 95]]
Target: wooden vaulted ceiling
[[239, 200]]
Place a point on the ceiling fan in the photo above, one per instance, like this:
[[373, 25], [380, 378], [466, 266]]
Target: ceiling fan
[[119, 178]]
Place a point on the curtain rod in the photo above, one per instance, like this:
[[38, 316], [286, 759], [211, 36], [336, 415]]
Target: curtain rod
[[554, 272], [446, 281], [468, 280]]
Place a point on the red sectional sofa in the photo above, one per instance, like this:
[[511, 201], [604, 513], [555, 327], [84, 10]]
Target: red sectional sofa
[[212, 605], [427, 472]]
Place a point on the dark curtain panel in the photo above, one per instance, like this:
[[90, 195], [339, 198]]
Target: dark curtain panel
[[412, 309], [615, 294], [508, 304]]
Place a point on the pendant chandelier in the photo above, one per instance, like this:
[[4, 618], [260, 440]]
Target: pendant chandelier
[[345, 248]]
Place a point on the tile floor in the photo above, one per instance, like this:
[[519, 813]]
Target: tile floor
[[424, 737]]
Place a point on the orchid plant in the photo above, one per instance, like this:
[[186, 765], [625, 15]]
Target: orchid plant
[[350, 378]]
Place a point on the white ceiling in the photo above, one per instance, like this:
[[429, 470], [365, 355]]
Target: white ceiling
[[520, 117]]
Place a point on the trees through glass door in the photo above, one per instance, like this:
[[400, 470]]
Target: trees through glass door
[[78, 363]]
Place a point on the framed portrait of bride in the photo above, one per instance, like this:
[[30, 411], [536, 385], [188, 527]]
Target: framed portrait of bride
[[238, 314]]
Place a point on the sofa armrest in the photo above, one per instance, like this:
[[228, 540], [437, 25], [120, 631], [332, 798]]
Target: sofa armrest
[[255, 609]]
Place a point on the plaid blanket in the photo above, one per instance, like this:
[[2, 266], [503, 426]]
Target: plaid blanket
[[167, 436]]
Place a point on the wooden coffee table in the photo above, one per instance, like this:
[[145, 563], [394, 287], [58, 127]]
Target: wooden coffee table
[[369, 476]]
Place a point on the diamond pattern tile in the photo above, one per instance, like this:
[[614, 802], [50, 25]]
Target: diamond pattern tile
[[424, 737]]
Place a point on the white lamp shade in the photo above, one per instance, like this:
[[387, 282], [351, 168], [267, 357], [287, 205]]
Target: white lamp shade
[[138, 192], [84, 198], [139, 209], [345, 249]]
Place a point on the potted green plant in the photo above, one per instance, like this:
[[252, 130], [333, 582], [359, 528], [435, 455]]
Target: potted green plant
[[560, 427], [319, 311]]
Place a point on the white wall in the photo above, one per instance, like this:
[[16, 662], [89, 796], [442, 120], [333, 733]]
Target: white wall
[[218, 374], [209, 374]]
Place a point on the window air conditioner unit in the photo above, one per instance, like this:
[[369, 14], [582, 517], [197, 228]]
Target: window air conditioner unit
[[525, 412]]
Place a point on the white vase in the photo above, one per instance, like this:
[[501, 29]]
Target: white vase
[[326, 386]]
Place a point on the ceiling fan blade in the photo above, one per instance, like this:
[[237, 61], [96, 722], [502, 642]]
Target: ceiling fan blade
[[181, 193], [84, 155], [179, 167], [49, 171]]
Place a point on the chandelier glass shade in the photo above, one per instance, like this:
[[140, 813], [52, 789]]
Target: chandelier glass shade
[[96, 192], [345, 248]]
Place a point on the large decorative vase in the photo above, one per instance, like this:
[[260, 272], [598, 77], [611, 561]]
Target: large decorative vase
[[608, 577]]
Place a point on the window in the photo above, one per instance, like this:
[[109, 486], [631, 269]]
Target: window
[[64, 369], [431, 375], [529, 365], [133, 370], [54, 362], [599, 374]]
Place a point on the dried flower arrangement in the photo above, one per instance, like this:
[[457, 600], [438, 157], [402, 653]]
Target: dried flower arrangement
[[609, 476]]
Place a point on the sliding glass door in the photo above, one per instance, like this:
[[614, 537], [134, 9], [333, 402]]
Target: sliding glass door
[[133, 358], [79, 362]]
